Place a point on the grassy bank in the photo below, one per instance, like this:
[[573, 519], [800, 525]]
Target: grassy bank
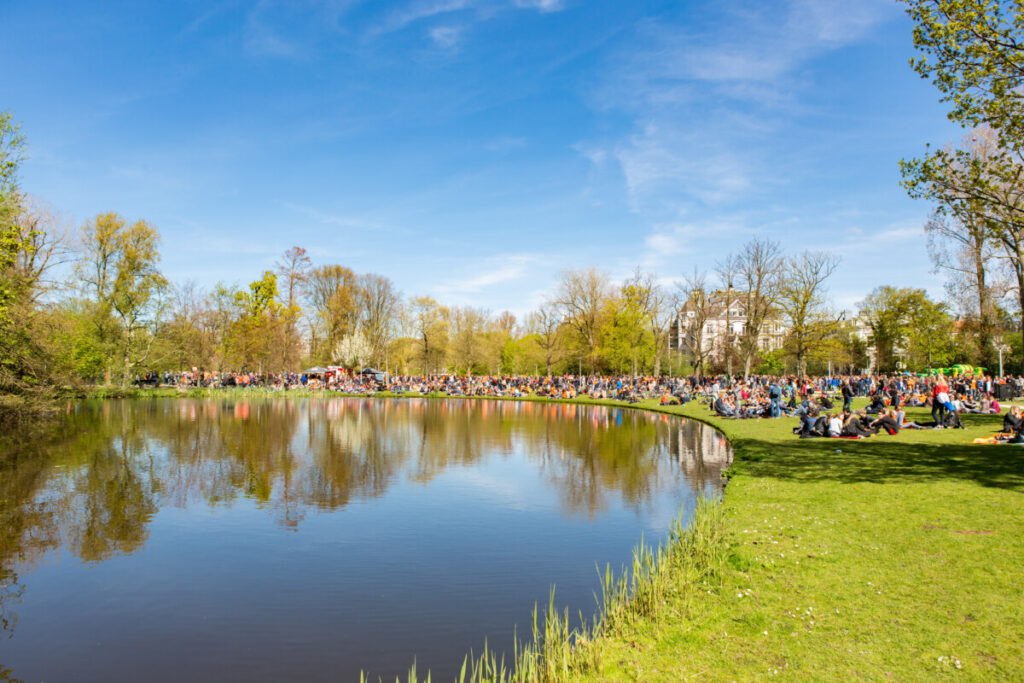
[[888, 558], [896, 557]]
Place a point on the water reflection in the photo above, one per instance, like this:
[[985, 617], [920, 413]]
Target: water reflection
[[91, 485]]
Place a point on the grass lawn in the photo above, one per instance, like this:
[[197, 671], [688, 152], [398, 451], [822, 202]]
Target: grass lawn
[[894, 557]]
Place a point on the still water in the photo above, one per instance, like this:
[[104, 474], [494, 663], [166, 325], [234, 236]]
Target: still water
[[311, 539]]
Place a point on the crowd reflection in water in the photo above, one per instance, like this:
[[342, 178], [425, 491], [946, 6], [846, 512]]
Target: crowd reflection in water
[[91, 485]]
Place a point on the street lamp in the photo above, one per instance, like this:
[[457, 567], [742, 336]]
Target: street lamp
[[1000, 348]]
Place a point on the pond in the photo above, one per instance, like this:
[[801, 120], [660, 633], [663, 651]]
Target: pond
[[311, 539]]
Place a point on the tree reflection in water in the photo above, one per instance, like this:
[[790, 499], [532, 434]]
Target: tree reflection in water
[[91, 483]]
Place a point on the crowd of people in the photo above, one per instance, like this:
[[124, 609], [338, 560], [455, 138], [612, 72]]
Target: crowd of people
[[822, 404], [814, 403]]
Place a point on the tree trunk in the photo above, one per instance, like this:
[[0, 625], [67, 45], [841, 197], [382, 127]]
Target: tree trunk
[[984, 306], [129, 333]]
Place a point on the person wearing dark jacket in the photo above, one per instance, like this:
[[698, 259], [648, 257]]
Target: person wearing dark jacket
[[887, 422], [847, 396], [1013, 421], [852, 426]]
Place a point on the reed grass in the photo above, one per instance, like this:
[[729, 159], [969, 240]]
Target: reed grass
[[686, 564]]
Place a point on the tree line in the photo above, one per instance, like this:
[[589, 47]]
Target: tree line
[[92, 305]]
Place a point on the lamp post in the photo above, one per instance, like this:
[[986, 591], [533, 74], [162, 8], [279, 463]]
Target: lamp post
[[1000, 348]]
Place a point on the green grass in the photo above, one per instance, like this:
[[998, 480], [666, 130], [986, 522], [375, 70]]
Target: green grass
[[895, 557]]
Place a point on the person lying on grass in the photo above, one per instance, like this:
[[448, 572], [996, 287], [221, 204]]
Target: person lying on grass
[[901, 420]]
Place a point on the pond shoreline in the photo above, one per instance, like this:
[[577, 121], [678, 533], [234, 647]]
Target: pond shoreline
[[807, 573], [682, 565]]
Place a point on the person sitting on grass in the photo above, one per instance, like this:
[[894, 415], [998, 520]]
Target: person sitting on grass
[[887, 422], [1013, 421], [916, 401], [877, 403], [811, 425], [835, 425], [722, 407], [852, 426]]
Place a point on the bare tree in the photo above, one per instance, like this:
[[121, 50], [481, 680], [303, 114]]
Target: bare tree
[[580, 297], [293, 271], [378, 306], [506, 324], [693, 317], [332, 293], [660, 307], [546, 324], [802, 300], [49, 246], [760, 270], [728, 271]]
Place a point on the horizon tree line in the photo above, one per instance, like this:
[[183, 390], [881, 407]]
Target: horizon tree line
[[115, 315]]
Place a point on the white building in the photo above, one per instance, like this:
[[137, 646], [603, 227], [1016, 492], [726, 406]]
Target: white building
[[724, 323]]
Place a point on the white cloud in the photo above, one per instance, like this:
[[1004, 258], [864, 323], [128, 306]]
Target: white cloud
[[711, 98], [446, 36], [900, 234], [683, 163], [541, 5], [428, 9], [418, 11], [487, 274], [761, 44]]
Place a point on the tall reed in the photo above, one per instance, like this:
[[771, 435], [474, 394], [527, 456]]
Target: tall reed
[[681, 568]]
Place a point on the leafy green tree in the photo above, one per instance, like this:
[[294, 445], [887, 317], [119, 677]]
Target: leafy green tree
[[972, 51], [259, 325], [13, 241], [626, 342], [906, 324], [431, 323], [118, 268]]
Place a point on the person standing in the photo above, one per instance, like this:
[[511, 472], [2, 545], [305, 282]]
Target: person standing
[[775, 394], [940, 400], [847, 396]]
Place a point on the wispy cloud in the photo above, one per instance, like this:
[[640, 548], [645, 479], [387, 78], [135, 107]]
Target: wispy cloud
[[709, 98], [262, 38], [758, 43], [477, 10], [340, 221], [446, 36], [489, 273], [541, 5], [417, 11]]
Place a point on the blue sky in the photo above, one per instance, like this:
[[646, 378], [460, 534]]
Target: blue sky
[[472, 149]]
